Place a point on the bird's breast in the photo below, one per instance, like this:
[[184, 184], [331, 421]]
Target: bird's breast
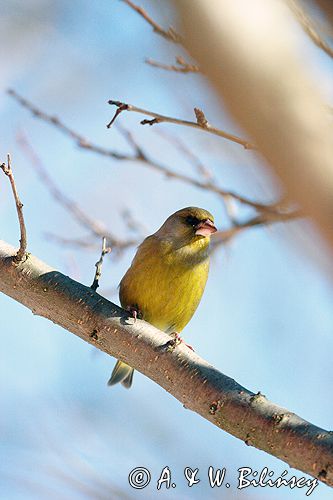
[[167, 291]]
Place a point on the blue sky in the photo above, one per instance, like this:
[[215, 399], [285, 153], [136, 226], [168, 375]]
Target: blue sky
[[266, 318]]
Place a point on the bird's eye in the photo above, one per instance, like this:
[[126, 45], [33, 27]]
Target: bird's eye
[[192, 221]]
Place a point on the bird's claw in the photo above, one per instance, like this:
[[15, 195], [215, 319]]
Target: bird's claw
[[135, 312], [176, 340], [179, 340]]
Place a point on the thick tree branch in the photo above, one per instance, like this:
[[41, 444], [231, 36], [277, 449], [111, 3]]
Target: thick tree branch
[[194, 382]]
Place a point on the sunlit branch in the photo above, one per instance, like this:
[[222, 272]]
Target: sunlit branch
[[7, 169], [201, 123], [105, 250], [193, 381], [139, 156]]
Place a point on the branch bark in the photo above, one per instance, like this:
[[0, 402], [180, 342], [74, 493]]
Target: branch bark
[[194, 382]]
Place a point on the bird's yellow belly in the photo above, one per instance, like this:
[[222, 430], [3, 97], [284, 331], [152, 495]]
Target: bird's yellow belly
[[167, 296]]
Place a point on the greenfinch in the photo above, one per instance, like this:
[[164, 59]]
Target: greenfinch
[[167, 277]]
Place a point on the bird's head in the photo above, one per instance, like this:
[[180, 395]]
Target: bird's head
[[188, 226]]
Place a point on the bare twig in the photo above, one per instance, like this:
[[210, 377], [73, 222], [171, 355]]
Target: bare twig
[[309, 28], [94, 227], [169, 34], [56, 122], [201, 123], [87, 243], [201, 169], [133, 224], [181, 67], [98, 265], [7, 169], [219, 238], [275, 209], [139, 156], [268, 213], [199, 386], [224, 236]]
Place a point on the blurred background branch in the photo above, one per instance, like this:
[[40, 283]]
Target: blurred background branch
[[243, 52], [309, 27], [269, 213]]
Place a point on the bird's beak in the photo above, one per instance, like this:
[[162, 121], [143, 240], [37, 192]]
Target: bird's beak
[[205, 228]]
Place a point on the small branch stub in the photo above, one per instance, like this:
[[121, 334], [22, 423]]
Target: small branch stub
[[200, 116], [7, 169], [120, 107], [98, 265]]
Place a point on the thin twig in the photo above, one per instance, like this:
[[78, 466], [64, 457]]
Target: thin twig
[[201, 169], [169, 34], [219, 238], [224, 236], [7, 169], [309, 28], [98, 265], [139, 156], [81, 141], [201, 124], [95, 227], [87, 243], [181, 67], [133, 224]]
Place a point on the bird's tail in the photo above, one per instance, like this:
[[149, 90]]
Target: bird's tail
[[122, 373]]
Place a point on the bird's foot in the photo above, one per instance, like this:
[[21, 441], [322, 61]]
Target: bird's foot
[[176, 340], [179, 340], [134, 312]]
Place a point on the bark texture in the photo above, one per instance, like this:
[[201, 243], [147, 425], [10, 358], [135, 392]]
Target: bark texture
[[194, 382]]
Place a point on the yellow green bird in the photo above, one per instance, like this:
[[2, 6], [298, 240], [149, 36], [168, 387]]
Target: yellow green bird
[[167, 277]]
